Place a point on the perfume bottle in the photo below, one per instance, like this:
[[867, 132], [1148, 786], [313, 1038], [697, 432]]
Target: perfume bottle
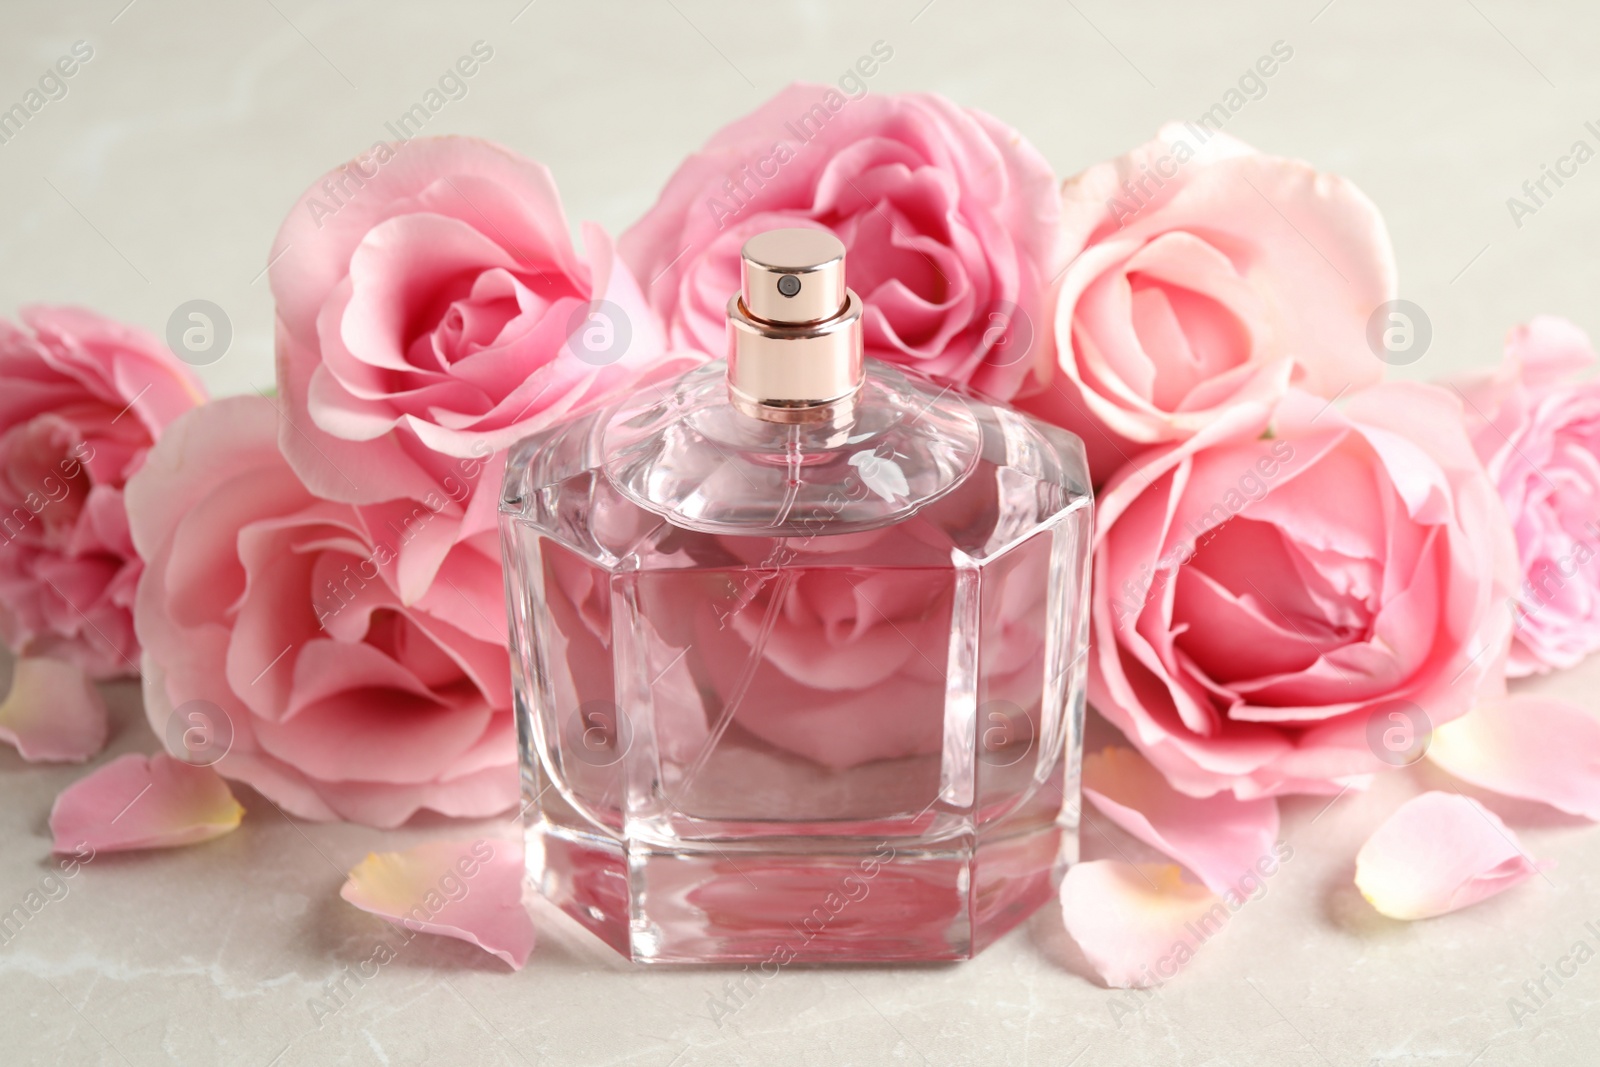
[[798, 644]]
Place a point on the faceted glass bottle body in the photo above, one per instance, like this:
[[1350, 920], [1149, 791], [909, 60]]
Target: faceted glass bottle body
[[799, 692]]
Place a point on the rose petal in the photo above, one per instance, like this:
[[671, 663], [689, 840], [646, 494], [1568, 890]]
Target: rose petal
[[1531, 747], [470, 890], [143, 802], [1220, 838], [1439, 852], [53, 712], [1136, 925]]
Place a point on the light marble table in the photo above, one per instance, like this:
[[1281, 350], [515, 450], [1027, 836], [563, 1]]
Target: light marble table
[[162, 176]]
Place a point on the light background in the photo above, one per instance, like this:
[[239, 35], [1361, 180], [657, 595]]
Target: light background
[[162, 177]]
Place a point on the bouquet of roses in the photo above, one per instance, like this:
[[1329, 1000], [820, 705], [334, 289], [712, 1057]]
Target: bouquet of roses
[[1304, 575]]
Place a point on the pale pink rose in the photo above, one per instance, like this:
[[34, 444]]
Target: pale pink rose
[[1538, 432], [1203, 274], [1264, 606], [271, 622], [852, 665], [846, 677], [843, 670], [950, 219], [433, 310], [81, 400]]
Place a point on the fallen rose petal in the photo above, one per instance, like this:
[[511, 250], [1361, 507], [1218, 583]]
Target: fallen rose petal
[[143, 802], [1437, 853], [1137, 926], [1531, 747], [53, 712], [1220, 838], [470, 890]]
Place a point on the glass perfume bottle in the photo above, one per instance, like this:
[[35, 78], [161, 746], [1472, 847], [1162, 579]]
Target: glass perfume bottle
[[798, 647]]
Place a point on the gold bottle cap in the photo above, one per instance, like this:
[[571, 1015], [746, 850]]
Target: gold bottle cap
[[794, 329]]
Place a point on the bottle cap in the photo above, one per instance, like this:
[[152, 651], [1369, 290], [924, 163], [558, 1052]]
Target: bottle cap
[[794, 329]]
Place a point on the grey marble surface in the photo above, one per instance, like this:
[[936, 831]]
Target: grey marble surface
[[161, 177]]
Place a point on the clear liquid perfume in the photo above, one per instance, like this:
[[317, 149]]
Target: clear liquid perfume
[[798, 647]]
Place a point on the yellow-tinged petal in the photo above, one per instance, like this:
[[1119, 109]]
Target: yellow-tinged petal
[[1436, 853], [1138, 925], [53, 712], [1222, 839], [471, 890]]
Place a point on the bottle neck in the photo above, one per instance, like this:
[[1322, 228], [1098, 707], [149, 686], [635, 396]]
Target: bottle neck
[[795, 372]]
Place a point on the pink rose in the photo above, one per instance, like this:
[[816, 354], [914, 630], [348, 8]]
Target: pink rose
[[1267, 608], [81, 402], [432, 310], [1205, 275], [949, 216], [849, 670], [1538, 432], [272, 623]]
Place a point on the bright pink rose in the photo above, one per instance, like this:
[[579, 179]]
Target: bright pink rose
[[330, 692], [1264, 606], [1538, 432], [432, 310], [1205, 275], [81, 400], [949, 216]]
